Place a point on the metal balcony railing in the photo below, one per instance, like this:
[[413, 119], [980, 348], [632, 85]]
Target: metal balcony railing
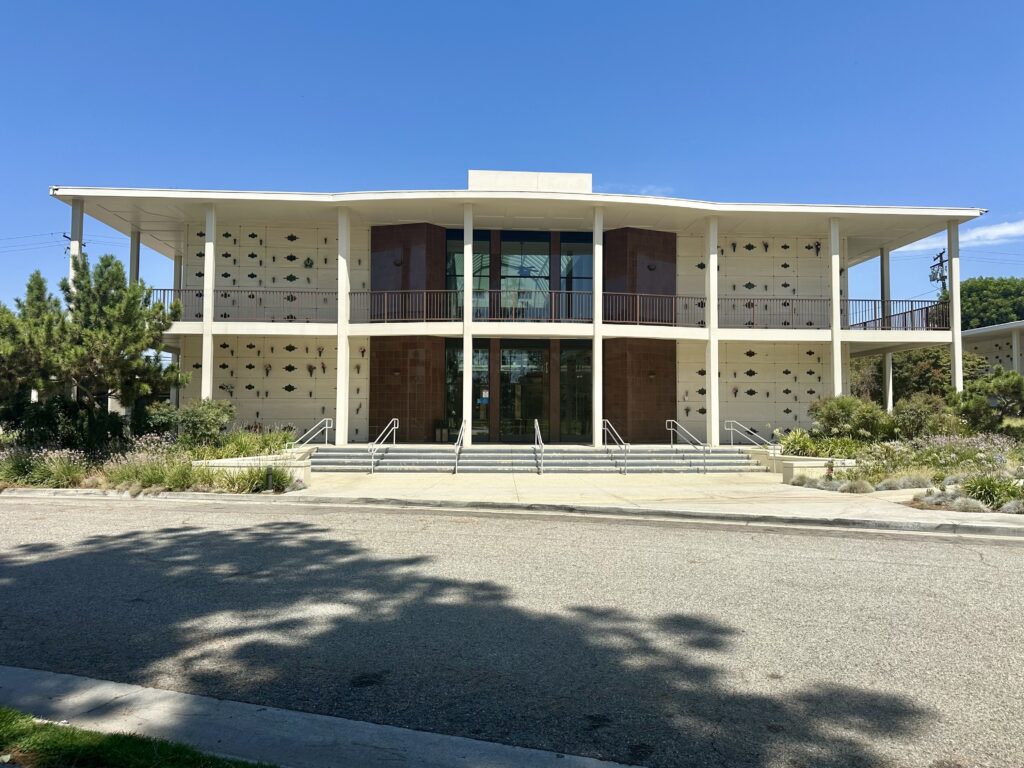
[[311, 306], [741, 312], [534, 306], [897, 315], [654, 309], [255, 305], [405, 306]]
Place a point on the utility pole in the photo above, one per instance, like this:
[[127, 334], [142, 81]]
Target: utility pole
[[938, 271]]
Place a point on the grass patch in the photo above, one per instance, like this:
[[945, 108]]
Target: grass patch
[[45, 745]]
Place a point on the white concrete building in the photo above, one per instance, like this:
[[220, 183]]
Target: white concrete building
[[998, 344], [584, 309]]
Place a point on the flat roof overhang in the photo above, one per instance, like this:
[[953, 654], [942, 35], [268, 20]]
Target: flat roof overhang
[[990, 331], [160, 215]]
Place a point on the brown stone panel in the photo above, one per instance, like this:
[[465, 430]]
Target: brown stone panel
[[407, 382], [639, 261], [640, 387], [407, 257]]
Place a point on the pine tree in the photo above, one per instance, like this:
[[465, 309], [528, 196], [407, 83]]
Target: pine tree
[[109, 341]]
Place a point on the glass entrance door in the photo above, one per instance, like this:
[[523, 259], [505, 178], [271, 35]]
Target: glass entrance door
[[525, 390]]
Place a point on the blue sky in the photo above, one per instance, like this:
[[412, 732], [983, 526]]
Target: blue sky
[[868, 102]]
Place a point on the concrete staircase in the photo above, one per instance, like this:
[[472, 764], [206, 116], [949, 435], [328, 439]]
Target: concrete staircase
[[522, 458]]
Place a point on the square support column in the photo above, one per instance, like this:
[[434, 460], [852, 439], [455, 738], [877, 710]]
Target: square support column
[[957, 348], [467, 322], [597, 351], [885, 286], [176, 277], [134, 242], [1015, 347], [209, 275], [75, 245], [343, 363], [836, 306], [713, 397], [887, 395]]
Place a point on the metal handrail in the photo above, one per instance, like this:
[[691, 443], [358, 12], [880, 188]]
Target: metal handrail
[[609, 431], [324, 425], [458, 445], [675, 428], [538, 443], [391, 430], [734, 427]]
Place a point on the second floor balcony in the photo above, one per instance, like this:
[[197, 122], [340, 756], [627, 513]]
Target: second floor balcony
[[513, 306]]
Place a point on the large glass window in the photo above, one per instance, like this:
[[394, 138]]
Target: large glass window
[[481, 390], [481, 260], [575, 391], [524, 390], [577, 275], [525, 274]]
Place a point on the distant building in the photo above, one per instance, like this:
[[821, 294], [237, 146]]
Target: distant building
[[998, 344]]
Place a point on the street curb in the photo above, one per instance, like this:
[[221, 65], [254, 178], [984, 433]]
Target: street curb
[[1013, 529]]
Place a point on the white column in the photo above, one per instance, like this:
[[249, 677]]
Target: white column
[[209, 275], [342, 396], [887, 381], [885, 286], [176, 277], [836, 307], [597, 353], [885, 294], [175, 393], [711, 384], [467, 321], [957, 350], [1015, 346], [77, 224], [134, 241]]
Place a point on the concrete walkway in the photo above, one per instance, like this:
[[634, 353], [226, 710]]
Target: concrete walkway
[[747, 497], [757, 498], [259, 734]]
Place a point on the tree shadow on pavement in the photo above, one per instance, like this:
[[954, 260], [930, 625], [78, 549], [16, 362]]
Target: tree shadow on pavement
[[284, 614]]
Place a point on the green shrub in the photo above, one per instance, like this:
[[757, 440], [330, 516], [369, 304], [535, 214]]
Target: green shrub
[[991, 490], [59, 422], [924, 414], [254, 480], [800, 443], [238, 443], [848, 416], [63, 468], [16, 465], [203, 421], [159, 418]]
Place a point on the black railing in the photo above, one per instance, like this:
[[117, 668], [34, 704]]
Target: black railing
[[256, 305], [897, 315], [306, 306], [534, 306], [740, 312], [654, 309], [405, 306]]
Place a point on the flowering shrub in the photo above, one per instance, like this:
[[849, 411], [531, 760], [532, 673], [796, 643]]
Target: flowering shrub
[[53, 468]]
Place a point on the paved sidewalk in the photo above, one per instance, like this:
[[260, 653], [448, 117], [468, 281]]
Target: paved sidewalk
[[260, 734], [742, 498], [750, 497]]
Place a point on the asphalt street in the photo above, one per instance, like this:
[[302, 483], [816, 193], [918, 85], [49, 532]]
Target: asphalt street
[[661, 644]]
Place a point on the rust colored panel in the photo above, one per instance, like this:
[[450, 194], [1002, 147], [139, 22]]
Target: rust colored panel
[[640, 387], [407, 257], [407, 382]]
